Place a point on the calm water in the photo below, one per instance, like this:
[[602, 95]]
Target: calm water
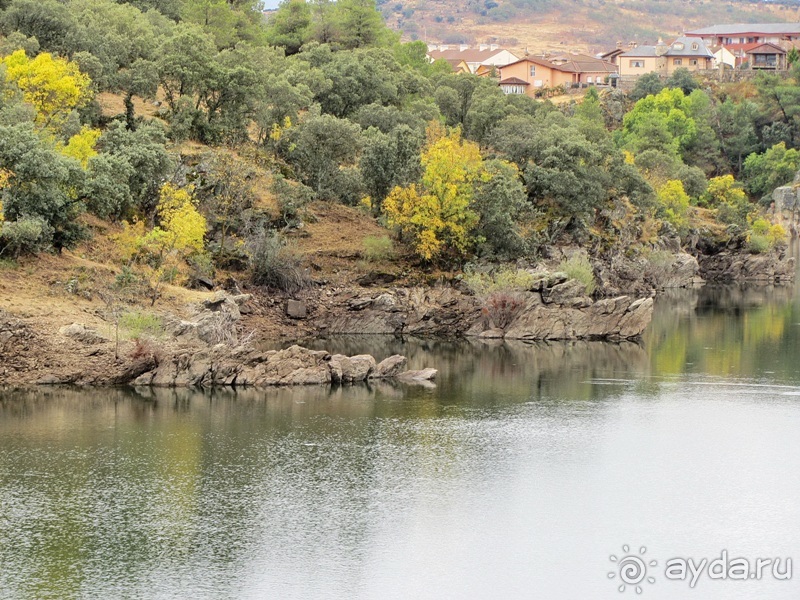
[[516, 476]]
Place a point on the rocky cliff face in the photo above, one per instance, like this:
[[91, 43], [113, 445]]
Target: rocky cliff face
[[558, 309], [741, 267]]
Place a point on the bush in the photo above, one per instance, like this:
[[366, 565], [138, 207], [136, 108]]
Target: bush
[[503, 280], [274, 266], [135, 325], [764, 236], [377, 247], [27, 235], [578, 267]]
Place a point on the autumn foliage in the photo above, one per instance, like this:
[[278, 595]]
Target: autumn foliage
[[436, 217]]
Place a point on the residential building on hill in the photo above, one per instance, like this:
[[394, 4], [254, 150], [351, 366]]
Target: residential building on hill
[[665, 59], [474, 58], [737, 34], [533, 74]]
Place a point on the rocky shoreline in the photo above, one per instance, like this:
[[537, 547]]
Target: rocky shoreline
[[207, 348]]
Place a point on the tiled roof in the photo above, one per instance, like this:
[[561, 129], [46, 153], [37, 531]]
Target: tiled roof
[[579, 63], [513, 81], [767, 48], [682, 46], [470, 55], [741, 28]]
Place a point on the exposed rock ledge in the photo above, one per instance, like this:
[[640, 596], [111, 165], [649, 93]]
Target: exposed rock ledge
[[556, 309], [221, 366], [727, 266]]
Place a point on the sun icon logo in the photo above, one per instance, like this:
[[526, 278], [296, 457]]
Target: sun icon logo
[[632, 569]]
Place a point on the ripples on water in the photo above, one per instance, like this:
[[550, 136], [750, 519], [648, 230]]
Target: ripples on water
[[516, 476]]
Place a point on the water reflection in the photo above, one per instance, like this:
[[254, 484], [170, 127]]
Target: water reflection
[[523, 461]]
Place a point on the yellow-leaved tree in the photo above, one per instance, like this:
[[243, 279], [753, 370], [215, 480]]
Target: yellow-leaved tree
[[161, 252], [81, 146], [53, 86], [437, 217]]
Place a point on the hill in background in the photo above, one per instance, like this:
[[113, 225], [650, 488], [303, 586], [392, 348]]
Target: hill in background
[[587, 25]]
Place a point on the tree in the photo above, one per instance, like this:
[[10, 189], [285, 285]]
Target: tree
[[438, 217], [764, 172], [43, 183], [390, 160], [674, 205], [648, 84], [49, 21], [501, 201], [143, 162], [53, 86], [320, 146], [359, 24], [81, 146], [290, 26], [682, 78], [162, 251]]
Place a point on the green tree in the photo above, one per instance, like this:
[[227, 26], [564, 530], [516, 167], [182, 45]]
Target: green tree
[[390, 160], [290, 26], [501, 202], [319, 147], [763, 173]]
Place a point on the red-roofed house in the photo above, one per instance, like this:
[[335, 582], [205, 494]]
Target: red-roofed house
[[533, 74], [488, 56]]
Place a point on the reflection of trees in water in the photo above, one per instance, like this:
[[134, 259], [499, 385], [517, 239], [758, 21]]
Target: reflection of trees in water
[[135, 488], [740, 331]]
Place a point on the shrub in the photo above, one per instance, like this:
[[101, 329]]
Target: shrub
[[764, 236], [27, 235], [502, 280], [136, 325], [501, 308], [377, 247], [578, 267], [274, 265]]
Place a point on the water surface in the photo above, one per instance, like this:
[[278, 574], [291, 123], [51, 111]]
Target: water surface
[[516, 476]]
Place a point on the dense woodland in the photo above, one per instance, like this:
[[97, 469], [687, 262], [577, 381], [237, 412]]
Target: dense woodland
[[323, 103]]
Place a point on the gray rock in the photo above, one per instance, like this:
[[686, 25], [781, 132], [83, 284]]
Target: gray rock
[[421, 375], [296, 309], [351, 369], [390, 367], [81, 333], [563, 293]]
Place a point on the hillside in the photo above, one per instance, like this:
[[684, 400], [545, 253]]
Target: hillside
[[586, 25]]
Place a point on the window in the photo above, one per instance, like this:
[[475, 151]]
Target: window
[[637, 64], [677, 46], [677, 61], [693, 62], [695, 46], [533, 70], [589, 79]]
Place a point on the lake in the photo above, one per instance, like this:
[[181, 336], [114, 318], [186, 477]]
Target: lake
[[518, 475]]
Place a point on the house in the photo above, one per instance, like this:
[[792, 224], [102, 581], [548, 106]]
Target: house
[[533, 74], [766, 56], [484, 55], [665, 59], [738, 34], [723, 56], [612, 56], [458, 65]]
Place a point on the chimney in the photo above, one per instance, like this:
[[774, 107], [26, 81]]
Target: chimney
[[493, 47], [463, 47], [483, 47], [619, 44]]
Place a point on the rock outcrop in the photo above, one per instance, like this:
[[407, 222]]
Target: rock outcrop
[[242, 367], [741, 267], [556, 309]]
